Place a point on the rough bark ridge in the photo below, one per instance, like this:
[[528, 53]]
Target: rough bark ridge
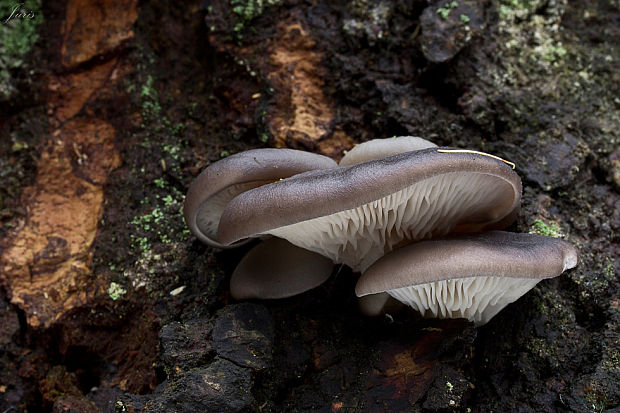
[[107, 303]]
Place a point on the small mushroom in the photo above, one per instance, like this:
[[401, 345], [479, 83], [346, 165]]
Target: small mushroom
[[277, 269], [355, 214], [472, 276], [380, 148], [213, 189]]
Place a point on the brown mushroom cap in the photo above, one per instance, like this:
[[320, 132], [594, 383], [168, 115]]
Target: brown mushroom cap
[[472, 276], [221, 181], [380, 148], [355, 214], [278, 269]]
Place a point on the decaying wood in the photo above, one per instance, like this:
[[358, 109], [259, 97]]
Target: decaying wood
[[106, 301]]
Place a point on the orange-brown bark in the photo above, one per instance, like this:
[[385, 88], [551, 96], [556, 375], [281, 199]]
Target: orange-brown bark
[[95, 28], [304, 116], [46, 261]]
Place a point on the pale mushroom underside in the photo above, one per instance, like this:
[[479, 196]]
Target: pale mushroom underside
[[477, 299], [428, 208], [472, 276]]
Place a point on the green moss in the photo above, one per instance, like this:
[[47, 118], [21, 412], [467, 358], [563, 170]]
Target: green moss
[[157, 228], [445, 10], [162, 225], [151, 107], [559, 320], [504, 12], [18, 145], [154, 224], [248, 10], [595, 281], [160, 183], [510, 9], [612, 358], [116, 291], [17, 36], [119, 406], [550, 230], [553, 52]]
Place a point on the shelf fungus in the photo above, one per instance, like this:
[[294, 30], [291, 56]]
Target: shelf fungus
[[355, 214], [469, 276], [401, 197], [213, 189], [275, 268]]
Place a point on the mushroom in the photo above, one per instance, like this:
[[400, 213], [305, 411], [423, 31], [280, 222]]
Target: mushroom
[[277, 269], [472, 276], [386, 194], [356, 214], [376, 304], [380, 148], [213, 189]]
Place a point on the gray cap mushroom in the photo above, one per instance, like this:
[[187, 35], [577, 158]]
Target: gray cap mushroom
[[355, 214], [277, 269], [472, 276], [221, 181], [380, 148]]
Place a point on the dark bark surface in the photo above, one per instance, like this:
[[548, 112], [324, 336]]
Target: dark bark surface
[[108, 303]]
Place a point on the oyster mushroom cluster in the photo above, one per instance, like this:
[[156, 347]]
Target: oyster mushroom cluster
[[419, 222]]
